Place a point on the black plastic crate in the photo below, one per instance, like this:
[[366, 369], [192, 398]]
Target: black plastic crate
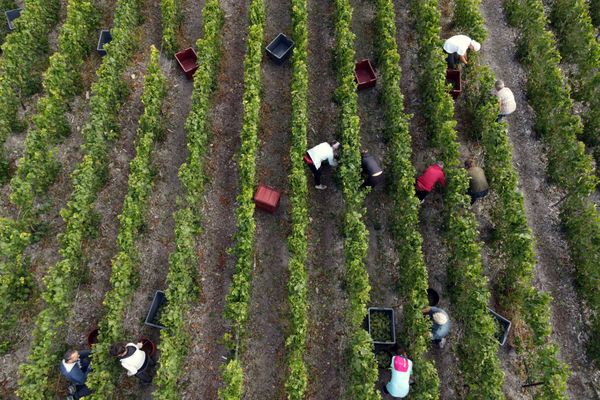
[[388, 313], [105, 37], [153, 317], [11, 15], [280, 48], [503, 327]]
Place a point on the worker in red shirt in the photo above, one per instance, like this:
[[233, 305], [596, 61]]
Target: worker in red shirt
[[426, 182]]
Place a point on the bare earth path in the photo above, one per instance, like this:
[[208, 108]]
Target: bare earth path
[[431, 216], [45, 252], [264, 358], [554, 272], [202, 378], [382, 258], [327, 337]]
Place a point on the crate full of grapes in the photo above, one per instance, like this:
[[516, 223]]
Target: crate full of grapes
[[382, 326]]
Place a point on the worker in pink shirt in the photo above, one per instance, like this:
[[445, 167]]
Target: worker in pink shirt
[[425, 183]]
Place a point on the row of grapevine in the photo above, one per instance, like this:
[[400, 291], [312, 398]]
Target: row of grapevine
[[297, 378], [103, 377], [363, 368], [238, 299], [568, 164], [79, 215], [578, 44], [517, 297], [20, 71], [183, 262], [171, 19], [36, 169], [413, 271], [477, 349]]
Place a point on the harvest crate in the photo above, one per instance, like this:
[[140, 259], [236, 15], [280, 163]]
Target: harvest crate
[[148, 346], [280, 48], [11, 15], [92, 337], [453, 78], [188, 61], [267, 198], [153, 317], [104, 38], [503, 327], [381, 338], [364, 74]]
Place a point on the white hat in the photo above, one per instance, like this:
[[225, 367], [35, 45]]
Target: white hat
[[440, 318], [335, 145], [476, 45]]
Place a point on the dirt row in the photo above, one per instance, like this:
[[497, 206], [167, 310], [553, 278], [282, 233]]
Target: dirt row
[[554, 271], [44, 253], [201, 377]]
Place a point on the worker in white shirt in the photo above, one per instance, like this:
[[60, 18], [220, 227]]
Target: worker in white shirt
[[399, 384], [507, 100], [315, 157], [456, 48], [133, 359]]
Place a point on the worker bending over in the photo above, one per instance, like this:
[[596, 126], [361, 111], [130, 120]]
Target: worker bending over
[[317, 155], [507, 100], [425, 183], [372, 173], [399, 384], [478, 185], [440, 327], [457, 47]]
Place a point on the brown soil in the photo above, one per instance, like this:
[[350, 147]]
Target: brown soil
[[205, 322], [554, 271], [327, 338], [264, 357]]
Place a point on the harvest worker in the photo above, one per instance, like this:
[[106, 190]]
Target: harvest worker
[[399, 384], [426, 182], [507, 100], [441, 324], [456, 47], [372, 173], [317, 155], [478, 185], [75, 366], [133, 359]]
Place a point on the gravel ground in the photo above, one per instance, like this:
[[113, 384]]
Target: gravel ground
[[554, 271], [328, 334], [206, 324], [264, 357]]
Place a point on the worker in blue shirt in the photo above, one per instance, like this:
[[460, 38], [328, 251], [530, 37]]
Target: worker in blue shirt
[[75, 366]]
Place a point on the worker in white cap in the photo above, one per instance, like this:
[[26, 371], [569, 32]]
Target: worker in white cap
[[317, 155], [440, 327], [456, 48]]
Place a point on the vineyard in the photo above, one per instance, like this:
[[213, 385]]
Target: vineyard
[[121, 177]]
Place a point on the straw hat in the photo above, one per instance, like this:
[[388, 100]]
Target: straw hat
[[440, 318]]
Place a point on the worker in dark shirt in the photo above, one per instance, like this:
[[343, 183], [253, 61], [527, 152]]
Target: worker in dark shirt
[[75, 366], [372, 173], [478, 185]]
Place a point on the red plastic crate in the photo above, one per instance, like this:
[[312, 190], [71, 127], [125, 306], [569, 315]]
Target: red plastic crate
[[267, 198], [364, 74], [453, 78], [187, 60]]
